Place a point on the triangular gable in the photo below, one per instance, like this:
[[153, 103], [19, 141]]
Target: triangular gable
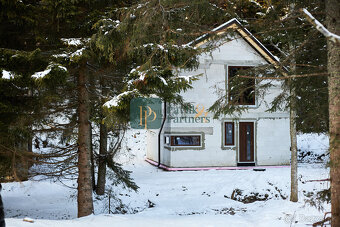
[[245, 34]]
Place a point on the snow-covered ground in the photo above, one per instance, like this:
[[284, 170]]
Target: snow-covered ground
[[313, 148], [187, 198]]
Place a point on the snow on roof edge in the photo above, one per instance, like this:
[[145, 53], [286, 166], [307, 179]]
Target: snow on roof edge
[[234, 20], [260, 44], [224, 24], [214, 29]]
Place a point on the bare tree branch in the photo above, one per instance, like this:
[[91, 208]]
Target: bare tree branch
[[329, 35], [284, 77]]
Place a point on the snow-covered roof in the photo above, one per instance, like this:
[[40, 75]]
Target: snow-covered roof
[[245, 34]]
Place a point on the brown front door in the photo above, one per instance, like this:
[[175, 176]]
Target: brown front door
[[246, 139]]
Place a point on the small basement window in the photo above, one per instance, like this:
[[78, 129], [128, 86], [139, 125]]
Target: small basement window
[[186, 140], [229, 134]]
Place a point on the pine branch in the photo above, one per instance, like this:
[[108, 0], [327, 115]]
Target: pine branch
[[278, 49]]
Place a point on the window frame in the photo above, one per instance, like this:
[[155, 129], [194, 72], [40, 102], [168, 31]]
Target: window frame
[[167, 137], [172, 144], [225, 133], [229, 68]]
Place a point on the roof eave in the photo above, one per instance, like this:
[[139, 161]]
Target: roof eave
[[245, 34]]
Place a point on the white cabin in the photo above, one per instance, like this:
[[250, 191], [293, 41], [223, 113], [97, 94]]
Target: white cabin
[[195, 139]]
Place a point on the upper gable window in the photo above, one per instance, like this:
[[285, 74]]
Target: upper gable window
[[241, 91]]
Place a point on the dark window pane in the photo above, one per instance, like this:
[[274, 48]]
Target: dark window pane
[[248, 142], [229, 133], [241, 90], [185, 140]]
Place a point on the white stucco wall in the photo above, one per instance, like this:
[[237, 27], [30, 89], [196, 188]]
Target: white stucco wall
[[152, 144], [271, 129], [273, 142]]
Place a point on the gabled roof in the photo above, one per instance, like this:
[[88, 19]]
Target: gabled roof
[[245, 34]]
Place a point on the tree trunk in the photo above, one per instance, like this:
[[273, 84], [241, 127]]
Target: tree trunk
[[333, 25], [2, 215], [100, 190], [292, 125], [102, 162], [30, 137], [30, 143], [293, 147], [92, 159], [292, 118], [92, 96], [85, 203]]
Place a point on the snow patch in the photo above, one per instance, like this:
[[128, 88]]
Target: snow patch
[[256, 3], [61, 55], [7, 75], [189, 77], [142, 76], [74, 41], [78, 52], [42, 74], [182, 198], [313, 148], [166, 47], [163, 80], [62, 67], [114, 102]]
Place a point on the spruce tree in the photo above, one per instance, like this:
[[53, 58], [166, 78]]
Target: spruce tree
[[45, 97], [149, 59], [156, 48]]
